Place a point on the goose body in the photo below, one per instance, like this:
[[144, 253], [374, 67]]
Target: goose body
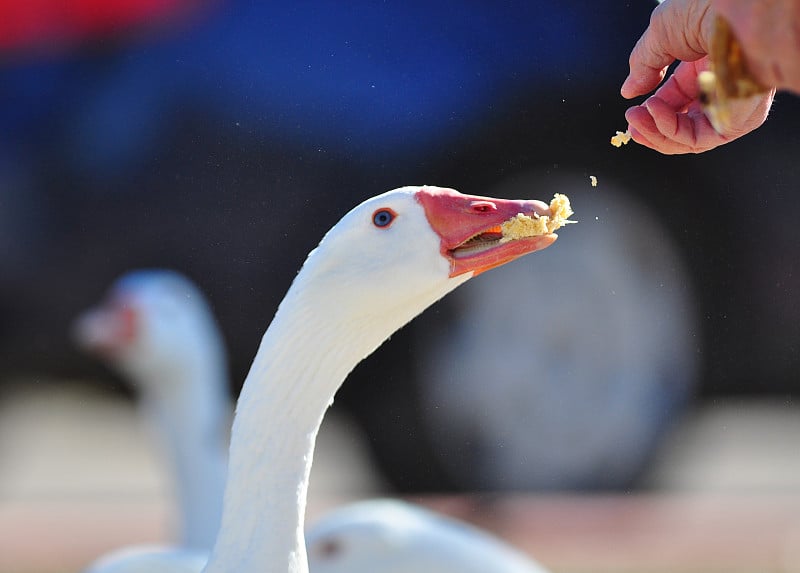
[[385, 262]]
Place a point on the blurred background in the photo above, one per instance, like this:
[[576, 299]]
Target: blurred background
[[640, 376]]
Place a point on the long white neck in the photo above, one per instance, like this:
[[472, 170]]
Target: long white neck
[[191, 416], [308, 350]]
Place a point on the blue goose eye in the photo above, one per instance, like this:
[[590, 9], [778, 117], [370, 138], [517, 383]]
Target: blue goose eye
[[383, 217]]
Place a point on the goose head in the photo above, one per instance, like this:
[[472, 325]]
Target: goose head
[[382, 264], [395, 254], [151, 323]]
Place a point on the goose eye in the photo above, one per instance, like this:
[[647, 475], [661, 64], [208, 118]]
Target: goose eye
[[383, 217]]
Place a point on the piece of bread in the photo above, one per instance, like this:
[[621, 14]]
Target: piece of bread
[[521, 225], [621, 138]]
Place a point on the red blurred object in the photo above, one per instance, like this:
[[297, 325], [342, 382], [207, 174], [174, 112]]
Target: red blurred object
[[35, 25]]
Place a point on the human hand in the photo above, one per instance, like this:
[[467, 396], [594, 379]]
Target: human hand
[[672, 120]]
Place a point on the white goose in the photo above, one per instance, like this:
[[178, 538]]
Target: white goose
[[385, 262], [156, 328]]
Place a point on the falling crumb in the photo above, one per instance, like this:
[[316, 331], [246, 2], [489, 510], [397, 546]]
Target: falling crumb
[[621, 138], [522, 225], [593, 179]]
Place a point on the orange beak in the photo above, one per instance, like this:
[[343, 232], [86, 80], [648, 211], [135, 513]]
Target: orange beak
[[469, 228]]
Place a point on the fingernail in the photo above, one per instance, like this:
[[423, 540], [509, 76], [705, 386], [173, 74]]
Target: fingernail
[[648, 102]]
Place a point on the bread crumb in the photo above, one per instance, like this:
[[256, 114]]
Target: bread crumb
[[621, 138], [593, 179], [521, 225]]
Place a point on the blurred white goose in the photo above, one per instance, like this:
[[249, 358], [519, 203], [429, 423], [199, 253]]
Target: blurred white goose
[[156, 328], [390, 536], [385, 262]]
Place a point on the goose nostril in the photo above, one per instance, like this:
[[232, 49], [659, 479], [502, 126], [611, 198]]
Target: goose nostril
[[483, 206]]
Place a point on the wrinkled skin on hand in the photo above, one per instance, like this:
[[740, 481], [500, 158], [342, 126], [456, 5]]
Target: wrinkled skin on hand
[[672, 120]]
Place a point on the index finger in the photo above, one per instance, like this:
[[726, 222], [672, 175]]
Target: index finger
[[678, 30]]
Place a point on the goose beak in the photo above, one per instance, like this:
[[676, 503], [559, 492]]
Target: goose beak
[[105, 330], [469, 227]]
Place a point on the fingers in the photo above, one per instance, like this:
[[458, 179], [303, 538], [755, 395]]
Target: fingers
[[675, 127], [643, 129], [661, 127], [676, 32], [648, 63], [648, 66], [681, 88]]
